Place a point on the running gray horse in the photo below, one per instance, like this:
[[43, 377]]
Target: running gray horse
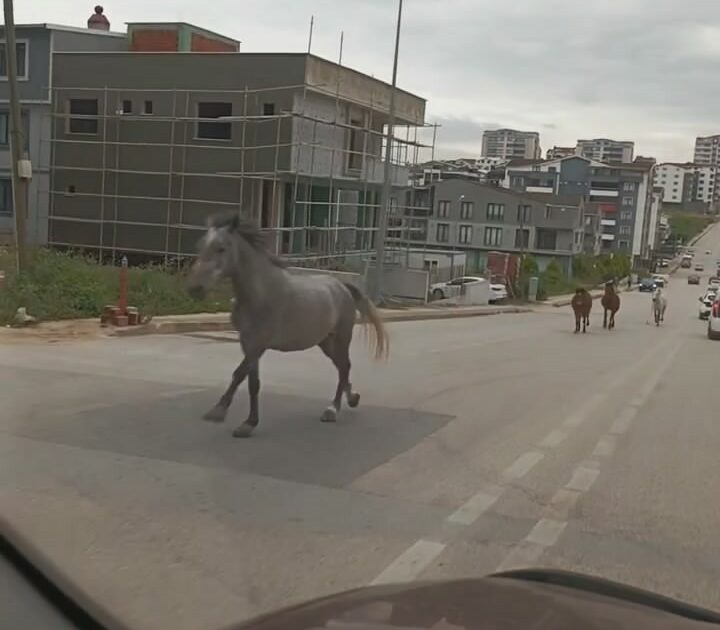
[[659, 305], [276, 309]]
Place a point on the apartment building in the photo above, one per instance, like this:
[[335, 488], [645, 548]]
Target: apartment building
[[474, 169], [476, 218], [620, 194], [707, 150], [507, 144], [35, 46], [559, 152], [687, 185], [606, 150], [147, 145]]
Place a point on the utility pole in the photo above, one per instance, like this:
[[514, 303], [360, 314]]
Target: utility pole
[[19, 183], [387, 176]]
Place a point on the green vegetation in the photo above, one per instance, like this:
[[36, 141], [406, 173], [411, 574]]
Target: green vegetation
[[684, 226], [59, 285]]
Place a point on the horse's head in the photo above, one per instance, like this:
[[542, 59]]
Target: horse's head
[[231, 246]]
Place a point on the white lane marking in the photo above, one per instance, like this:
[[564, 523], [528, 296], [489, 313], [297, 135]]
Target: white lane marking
[[561, 504], [72, 411], [553, 439], [476, 506], [546, 532], [575, 419], [605, 446], [522, 465], [182, 392], [544, 535], [622, 422], [409, 564], [582, 479]]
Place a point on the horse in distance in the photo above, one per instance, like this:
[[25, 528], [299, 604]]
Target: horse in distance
[[658, 306], [581, 305], [275, 309], [610, 302]]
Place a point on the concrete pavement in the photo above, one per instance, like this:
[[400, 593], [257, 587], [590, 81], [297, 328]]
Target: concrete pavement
[[482, 443]]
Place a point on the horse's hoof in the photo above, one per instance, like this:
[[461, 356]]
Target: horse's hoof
[[353, 400], [216, 414], [329, 415], [243, 431]]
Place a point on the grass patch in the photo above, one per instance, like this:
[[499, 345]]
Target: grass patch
[[685, 226], [62, 285]]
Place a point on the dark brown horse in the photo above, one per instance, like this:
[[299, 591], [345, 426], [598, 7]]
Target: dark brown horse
[[611, 304], [581, 306]]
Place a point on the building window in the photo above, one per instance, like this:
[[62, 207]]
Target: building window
[[522, 238], [625, 229], [629, 186], [546, 239], [5, 129], [466, 209], [589, 220], [21, 51], [148, 107], [268, 109], [443, 209], [214, 130], [628, 201], [626, 215], [6, 207], [495, 212], [442, 234], [127, 107], [465, 234], [523, 214], [83, 116], [517, 182], [624, 244], [493, 236]]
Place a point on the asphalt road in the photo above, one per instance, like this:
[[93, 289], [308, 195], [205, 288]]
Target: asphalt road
[[483, 443]]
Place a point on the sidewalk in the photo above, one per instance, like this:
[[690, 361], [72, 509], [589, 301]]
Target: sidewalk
[[220, 322]]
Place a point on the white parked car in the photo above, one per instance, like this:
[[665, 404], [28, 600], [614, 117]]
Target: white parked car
[[713, 331], [661, 279], [452, 288], [498, 292]]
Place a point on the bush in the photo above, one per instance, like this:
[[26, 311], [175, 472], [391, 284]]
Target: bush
[[62, 285]]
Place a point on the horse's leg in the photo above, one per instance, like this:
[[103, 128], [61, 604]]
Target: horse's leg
[[219, 411], [605, 318], [577, 323], [584, 323], [246, 428], [337, 350]]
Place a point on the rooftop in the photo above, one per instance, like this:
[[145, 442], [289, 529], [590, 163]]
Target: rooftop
[[158, 25], [70, 29]]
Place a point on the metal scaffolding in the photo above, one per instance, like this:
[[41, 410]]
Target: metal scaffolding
[[127, 182]]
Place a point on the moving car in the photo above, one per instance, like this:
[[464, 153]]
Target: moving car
[[699, 267], [693, 278], [714, 281], [686, 261], [663, 262], [452, 288], [706, 302], [708, 252], [713, 331], [647, 285], [661, 280]]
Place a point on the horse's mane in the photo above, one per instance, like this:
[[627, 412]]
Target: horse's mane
[[249, 231]]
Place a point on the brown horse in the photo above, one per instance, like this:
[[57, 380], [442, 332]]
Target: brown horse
[[581, 306], [611, 303]]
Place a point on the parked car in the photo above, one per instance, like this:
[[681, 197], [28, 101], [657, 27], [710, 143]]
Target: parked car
[[693, 278], [706, 302], [498, 292], [663, 262], [647, 285], [699, 267], [714, 281], [661, 280], [452, 288], [713, 330]]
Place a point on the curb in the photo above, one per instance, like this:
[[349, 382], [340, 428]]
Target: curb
[[176, 328]]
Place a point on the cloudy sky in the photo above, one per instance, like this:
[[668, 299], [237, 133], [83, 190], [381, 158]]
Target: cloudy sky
[[642, 70]]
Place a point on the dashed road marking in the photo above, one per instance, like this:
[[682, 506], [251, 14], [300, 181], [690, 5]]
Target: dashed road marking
[[476, 506], [522, 465], [582, 479], [605, 446], [622, 422], [411, 563], [544, 535], [553, 439]]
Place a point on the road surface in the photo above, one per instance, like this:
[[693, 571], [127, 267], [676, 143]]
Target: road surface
[[484, 443]]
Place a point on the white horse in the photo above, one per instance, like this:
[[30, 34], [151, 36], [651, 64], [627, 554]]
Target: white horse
[[658, 306]]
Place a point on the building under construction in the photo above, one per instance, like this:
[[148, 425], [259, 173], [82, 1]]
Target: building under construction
[[146, 146]]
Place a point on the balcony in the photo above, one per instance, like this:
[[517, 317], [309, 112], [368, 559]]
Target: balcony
[[596, 192], [608, 222], [540, 189], [607, 237]]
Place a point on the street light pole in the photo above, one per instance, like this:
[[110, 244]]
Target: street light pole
[[19, 184], [387, 174]]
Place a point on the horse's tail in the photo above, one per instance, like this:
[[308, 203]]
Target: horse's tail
[[371, 318]]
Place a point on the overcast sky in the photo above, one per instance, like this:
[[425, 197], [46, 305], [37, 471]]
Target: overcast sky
[[642, 70]]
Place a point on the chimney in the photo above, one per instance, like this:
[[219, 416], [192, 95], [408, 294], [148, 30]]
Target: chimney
[[98, 21]]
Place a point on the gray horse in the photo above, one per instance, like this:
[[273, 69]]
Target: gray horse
[[275, 309]]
